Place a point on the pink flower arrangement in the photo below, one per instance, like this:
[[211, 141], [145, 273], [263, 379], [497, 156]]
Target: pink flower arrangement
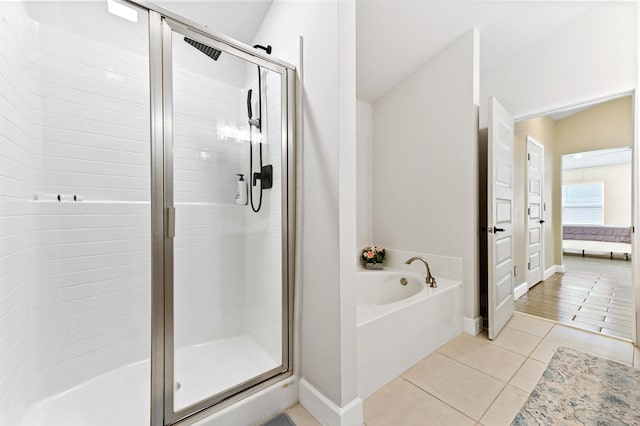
[[373, 254]]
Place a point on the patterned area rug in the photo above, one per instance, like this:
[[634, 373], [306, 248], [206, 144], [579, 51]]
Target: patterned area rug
[[582, 389]]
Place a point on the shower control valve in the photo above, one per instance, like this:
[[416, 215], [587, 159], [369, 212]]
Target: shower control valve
[[265, 176]]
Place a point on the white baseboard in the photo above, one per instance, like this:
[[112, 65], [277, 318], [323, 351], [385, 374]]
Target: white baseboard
[[328, 413], [472, 326], [520, 290], [552, 270]]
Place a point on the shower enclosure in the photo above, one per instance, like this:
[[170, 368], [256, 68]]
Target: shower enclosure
[[243, 321], [134, 288]]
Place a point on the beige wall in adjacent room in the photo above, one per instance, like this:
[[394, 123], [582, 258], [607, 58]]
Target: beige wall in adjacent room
[[607, 125], [542, 129], [617, 189]]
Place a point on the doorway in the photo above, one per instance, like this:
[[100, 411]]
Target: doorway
[[591, 292]]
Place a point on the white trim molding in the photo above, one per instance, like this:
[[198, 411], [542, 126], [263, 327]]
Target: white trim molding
[[520, 290], [472, 326], [325, 410]]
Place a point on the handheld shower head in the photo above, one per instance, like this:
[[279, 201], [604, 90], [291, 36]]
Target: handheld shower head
[[252, 121], [249, 111]]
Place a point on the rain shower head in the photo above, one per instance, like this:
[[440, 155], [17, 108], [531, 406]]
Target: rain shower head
[[207, 50]]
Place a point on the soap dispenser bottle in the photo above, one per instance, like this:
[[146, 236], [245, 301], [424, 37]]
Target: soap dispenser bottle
[[241, 190]]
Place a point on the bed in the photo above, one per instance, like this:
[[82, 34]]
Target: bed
[[612, 239]]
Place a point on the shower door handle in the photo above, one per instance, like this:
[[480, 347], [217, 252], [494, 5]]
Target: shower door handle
[[171, 221]]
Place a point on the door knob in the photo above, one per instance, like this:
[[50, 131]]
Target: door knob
[[542, 221], [496, 229]]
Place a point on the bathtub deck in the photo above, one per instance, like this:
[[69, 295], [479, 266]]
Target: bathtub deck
[[121, 396]]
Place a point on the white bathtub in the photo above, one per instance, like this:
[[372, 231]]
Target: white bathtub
[[399, 325]]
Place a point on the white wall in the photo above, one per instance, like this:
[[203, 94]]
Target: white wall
[[90, 304], [79, 269], [90, 307], [593, 57], [95, 118], [327, 343], [19, 176], [262, 314], [364, 169], [209, 248], [425, 162]]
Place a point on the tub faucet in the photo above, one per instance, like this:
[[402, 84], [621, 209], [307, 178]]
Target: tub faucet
[[429, 279]]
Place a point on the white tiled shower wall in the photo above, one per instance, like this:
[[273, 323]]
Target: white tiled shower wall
[[90, 310], [263, 302], [209, 243], [74, 276], [19, 176]]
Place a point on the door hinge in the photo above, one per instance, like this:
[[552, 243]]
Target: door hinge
[[529, 157], [529, 211], [529, 265]]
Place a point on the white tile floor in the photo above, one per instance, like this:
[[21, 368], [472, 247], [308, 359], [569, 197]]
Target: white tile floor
[[475, 381]]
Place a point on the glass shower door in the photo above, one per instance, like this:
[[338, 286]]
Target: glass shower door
[[227, 298]]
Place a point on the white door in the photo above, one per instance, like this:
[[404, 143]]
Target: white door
[[535, 210], [500, 217]]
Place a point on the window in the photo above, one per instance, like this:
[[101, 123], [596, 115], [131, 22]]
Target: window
[[583, 203]]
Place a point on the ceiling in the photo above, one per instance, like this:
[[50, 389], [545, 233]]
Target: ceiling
[[395, 37], [602, 157], [238, 19]]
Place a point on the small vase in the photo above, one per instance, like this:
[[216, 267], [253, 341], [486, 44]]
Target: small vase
[[373, 266]]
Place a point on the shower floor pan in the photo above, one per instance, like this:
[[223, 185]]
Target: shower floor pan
[[121, 396]]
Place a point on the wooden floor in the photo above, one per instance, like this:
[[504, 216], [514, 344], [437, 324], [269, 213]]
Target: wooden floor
[[593, 294]]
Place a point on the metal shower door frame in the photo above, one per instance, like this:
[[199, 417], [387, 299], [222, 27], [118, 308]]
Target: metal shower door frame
[[161, 27]]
